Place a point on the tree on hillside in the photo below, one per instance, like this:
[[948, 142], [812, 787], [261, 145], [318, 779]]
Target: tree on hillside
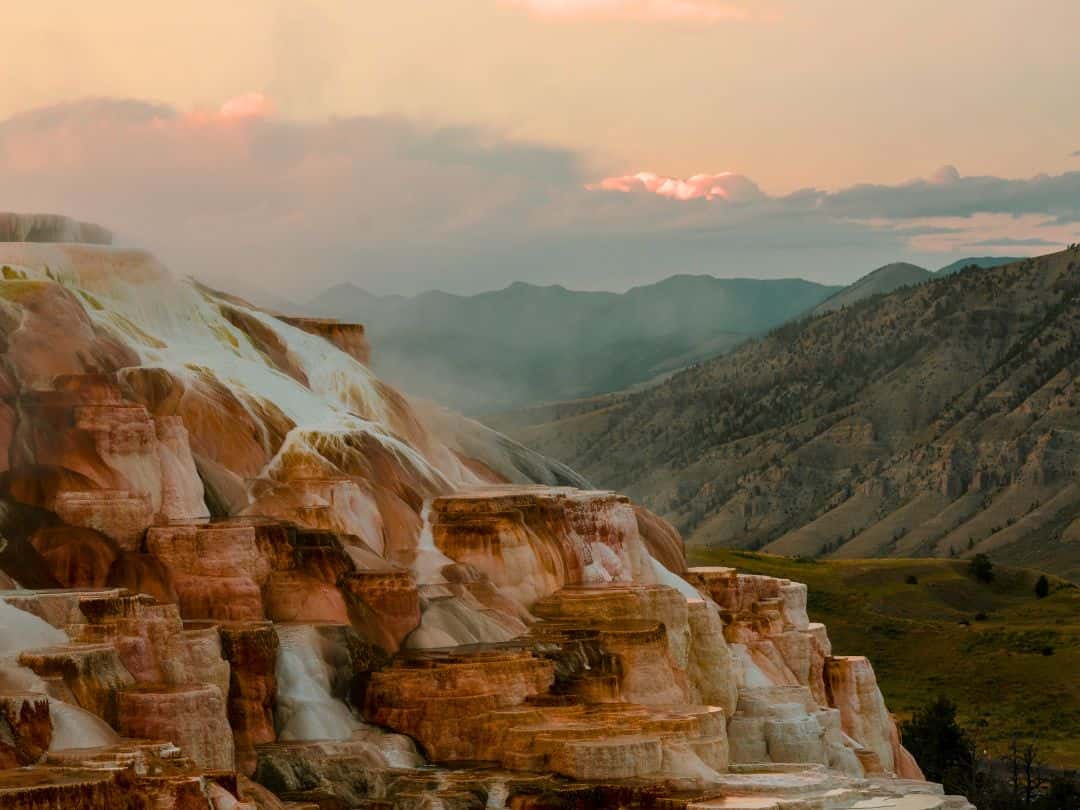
[[950, 755], [936, 739], [982, 568], [1042, 587], [1027, 781]]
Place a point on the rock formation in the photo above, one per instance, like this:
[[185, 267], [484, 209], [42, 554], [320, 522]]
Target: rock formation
[[240, 572], [50, 228]]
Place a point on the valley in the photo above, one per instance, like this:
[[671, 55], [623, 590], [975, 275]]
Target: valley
[[527, 344], [938, 420]]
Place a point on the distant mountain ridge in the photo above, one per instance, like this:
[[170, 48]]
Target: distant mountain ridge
[[883, 280], [983, 262], [526, 344], [941, 419], [891, 277]]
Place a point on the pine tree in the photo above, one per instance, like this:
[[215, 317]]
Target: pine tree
[[936, 739], [982, 568], [1042, 587]]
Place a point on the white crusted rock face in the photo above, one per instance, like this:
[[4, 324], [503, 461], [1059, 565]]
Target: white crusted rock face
[[853, 689], [710, 666], [793, 597], [795, 701]]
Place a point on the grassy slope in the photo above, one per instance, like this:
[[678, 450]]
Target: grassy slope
[[994, 669]]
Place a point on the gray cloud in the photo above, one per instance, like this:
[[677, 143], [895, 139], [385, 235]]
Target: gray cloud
[[251, 201], [1006, 241], [950, 195]]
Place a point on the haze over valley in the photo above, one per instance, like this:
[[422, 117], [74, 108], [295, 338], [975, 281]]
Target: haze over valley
[[524, 345]]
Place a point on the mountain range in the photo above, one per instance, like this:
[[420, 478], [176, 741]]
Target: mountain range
[[526, 344], [941, 419], [982, 262]]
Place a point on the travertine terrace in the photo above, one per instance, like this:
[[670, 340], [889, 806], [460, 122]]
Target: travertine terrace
[[238, 571]]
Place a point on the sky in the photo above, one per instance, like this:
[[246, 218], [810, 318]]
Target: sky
[[287, 145]]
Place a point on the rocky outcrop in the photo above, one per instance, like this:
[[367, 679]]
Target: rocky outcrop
[[251, 651], [384, 605], [25, 729], [50, 228], [796, 701], [100, 462], [531, 541], [92, 674], [852, 689], [349, 337], [193, 717], [235, 553]]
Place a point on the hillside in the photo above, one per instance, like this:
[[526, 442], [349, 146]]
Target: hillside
[[926, 639], [942, 419], [527, 344], [984, 262], [883, 280]]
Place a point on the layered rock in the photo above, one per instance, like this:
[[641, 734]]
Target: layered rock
[[101, 462], [796, 701], [384, 604], [193, 717], [349, 337], [25, 729], [229, 550], [251, 651], [50, 228], [853, 690], [495, 705], [598, 689], [531, 541]]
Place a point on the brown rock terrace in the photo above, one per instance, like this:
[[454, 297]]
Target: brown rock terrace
[[238, 571]]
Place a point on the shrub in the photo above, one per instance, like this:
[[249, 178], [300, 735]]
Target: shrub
[[1042, 587], [912, 579], [982, 568]]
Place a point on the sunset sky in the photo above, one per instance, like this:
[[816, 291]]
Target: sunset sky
[[465, 144]]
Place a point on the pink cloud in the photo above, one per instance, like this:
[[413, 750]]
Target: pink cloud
[[707, 11], [723, 186], [248, 105], [240, 110]]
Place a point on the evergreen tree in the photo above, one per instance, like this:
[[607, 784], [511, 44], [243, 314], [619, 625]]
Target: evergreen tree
[[1042, 587], [982, 568], [936, 739]]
